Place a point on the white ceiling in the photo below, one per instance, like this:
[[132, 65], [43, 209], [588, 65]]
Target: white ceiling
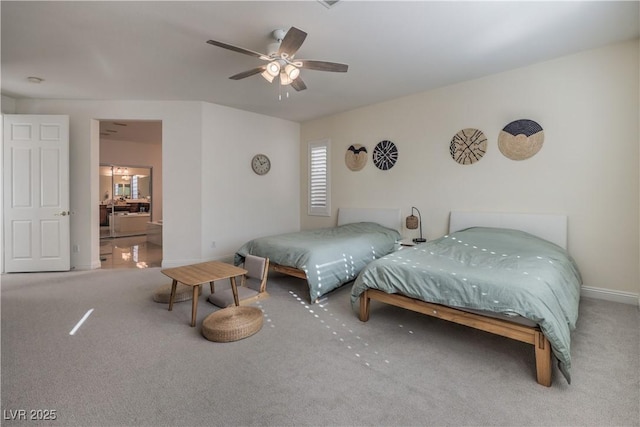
[[157, 50]]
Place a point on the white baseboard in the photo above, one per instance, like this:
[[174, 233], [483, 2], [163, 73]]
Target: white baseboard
[[82, 267], [609, 295], [182, 262]]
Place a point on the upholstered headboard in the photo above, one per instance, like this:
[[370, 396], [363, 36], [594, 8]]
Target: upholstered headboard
[[387, 217], [551, 227]]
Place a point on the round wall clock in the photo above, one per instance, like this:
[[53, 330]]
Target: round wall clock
[[260, 164], [468, 146], [385, 155], [356, 157], [521, 139]]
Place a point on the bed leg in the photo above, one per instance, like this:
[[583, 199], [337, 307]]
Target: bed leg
[[364, 306], [543, 360]]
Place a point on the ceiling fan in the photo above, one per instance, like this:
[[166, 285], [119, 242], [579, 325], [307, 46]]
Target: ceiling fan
[[280, 59]]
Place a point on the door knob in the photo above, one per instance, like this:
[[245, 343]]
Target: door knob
[[63, 213]]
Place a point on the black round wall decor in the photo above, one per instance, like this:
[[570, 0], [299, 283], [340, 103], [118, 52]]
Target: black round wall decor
[[385, 155]]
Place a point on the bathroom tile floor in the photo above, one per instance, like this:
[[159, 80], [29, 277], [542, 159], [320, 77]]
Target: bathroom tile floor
[[129, 252]]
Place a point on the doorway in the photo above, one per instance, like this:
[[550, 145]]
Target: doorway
[[126, 205], [130, 190]]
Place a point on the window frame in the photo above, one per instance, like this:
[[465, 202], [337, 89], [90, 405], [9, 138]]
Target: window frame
[[313, 209]]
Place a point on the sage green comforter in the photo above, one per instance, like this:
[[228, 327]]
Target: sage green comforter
[[500, 270], [330, 257]]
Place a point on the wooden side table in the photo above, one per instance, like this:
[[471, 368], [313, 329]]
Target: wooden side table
[[196, 275]]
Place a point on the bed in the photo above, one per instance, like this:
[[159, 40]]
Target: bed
[[330, 257], [508, 274]]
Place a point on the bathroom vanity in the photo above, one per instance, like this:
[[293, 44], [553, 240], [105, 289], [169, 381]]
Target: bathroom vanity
[[128, 206]]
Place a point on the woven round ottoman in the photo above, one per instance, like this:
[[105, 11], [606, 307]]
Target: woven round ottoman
[[163, 293], [232, 323]]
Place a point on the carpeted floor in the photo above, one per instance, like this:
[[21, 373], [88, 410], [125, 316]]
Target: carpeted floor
[[132, 362]]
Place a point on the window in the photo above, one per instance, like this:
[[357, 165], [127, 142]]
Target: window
[[319, 183]]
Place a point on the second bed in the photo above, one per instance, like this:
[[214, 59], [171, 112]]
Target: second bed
[[330, 257], [499, 279]]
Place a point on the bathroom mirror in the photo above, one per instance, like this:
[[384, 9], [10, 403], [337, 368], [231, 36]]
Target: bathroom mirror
[[121, 189], [124, 182]]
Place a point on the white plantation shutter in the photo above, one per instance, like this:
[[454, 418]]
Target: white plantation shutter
[[319, 186]]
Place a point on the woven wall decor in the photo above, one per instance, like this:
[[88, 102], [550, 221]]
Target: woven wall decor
[[356, 157], [468, 146], [521, 139], [385, 155]]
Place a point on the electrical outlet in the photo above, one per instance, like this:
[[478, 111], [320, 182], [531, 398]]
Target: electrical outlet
[[76, 249], [213, 244]]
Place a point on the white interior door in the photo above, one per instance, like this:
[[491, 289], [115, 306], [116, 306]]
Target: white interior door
[[36, 193]]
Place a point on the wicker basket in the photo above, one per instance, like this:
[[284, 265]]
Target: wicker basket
[[232, 323]]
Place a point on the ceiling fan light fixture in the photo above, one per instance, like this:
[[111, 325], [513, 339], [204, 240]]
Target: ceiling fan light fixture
[[292, 71], [273, 68], [285, 79], [268, 77]]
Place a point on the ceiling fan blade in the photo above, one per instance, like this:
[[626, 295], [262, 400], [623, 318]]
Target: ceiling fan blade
[[238, 49], [298, 84], [292, 41], [310, 64], [248, 73]]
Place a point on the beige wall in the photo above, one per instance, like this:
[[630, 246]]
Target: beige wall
[[588, 167], [241, 205]]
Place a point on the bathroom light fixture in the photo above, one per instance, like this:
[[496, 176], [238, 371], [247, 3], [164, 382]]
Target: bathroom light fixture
[[123, 172], [413, 222]]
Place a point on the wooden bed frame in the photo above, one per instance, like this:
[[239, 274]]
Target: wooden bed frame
[[387, 217], [289, 271], [549, 227], [504, 328]]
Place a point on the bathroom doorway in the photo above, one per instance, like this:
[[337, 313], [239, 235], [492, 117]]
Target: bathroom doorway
[[130, 191], [126, 205]]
